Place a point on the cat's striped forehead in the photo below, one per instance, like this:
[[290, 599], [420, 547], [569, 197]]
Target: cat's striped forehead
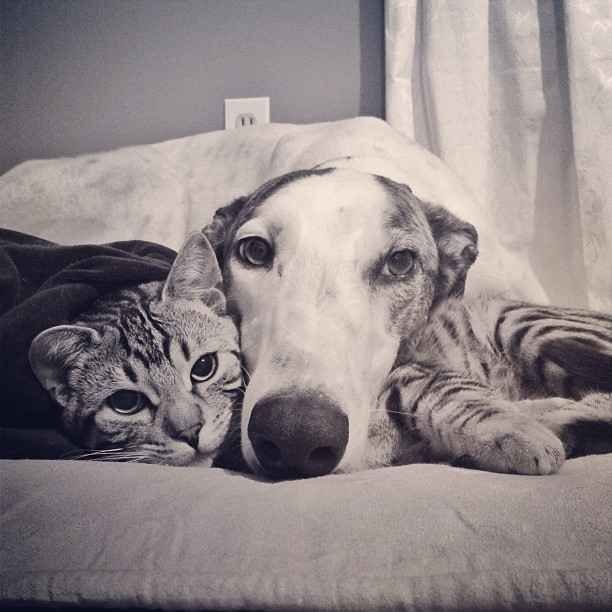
[[147, 341], [145, 325], [125, 315]]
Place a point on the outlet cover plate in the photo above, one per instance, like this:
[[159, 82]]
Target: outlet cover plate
[[246, 112]]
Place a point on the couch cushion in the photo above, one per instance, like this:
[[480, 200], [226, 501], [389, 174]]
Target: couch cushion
[[419, 537]]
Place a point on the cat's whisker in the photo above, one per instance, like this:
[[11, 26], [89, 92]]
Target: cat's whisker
[[91, 454], [132, 453], [389, 411], [96, 457], [109, 450]]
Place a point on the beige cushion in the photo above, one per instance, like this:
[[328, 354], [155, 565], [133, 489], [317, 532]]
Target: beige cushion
[[419, 537]]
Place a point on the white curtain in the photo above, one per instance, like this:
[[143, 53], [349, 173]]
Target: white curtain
[[516, 97]]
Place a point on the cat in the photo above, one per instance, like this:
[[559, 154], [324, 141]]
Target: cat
[[149, 373], [483, 372]]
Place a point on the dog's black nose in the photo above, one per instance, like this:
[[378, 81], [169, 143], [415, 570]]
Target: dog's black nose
[[298, 434]]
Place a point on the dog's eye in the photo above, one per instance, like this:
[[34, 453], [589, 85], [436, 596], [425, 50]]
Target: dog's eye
[[127, 401], [255, 251], [204, 368], [399, 263]]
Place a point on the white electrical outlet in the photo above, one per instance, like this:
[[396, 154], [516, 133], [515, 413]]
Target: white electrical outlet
[[245, 112]]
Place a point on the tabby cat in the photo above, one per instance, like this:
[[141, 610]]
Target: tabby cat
[[482, 367], [150, 373]]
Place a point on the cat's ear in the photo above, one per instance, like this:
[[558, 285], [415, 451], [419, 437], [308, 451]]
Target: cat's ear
[[53, 352], [457, 243], [195, 274]]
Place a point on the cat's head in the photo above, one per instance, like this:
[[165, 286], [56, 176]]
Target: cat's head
[[150, 373]]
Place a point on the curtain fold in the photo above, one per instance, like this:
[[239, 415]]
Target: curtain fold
[[516, 97]]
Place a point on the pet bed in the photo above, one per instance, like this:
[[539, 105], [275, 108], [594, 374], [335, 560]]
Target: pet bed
[[419, 537]]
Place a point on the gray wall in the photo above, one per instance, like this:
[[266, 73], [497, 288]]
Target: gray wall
[[88, 75]]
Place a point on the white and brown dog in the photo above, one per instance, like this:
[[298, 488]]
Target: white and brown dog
[[315, 270]]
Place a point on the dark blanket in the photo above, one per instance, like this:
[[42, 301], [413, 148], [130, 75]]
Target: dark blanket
[[44, 284]]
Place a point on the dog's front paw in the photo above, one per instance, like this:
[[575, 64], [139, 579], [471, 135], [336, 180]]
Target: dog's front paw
[[514, 445]]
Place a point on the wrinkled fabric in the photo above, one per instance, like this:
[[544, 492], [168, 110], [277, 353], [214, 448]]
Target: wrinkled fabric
[[414, 538], [516, 97], [117, 195]]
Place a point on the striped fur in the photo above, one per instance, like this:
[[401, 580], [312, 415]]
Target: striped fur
[[506, 386], [152, 341]]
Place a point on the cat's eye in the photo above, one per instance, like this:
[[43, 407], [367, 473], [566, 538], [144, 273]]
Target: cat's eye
[[127, 401], [399, 263], [255, 251], [204, 368]]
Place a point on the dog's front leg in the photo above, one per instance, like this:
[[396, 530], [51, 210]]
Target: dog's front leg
[[463, 421]]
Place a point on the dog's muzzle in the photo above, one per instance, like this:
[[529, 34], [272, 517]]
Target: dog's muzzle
[[298, 435]]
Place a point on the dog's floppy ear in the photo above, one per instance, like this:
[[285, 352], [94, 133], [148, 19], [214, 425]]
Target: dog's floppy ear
[[457, 243], [217, 230]]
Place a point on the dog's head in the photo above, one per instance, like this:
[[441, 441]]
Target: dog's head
[[326, 271]]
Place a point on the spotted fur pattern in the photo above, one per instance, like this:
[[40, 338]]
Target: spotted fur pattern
[[505, 386]]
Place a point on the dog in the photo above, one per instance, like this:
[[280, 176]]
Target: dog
[[321, 323]]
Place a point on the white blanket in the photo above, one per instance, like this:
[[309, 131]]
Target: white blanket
[[163, 191]]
